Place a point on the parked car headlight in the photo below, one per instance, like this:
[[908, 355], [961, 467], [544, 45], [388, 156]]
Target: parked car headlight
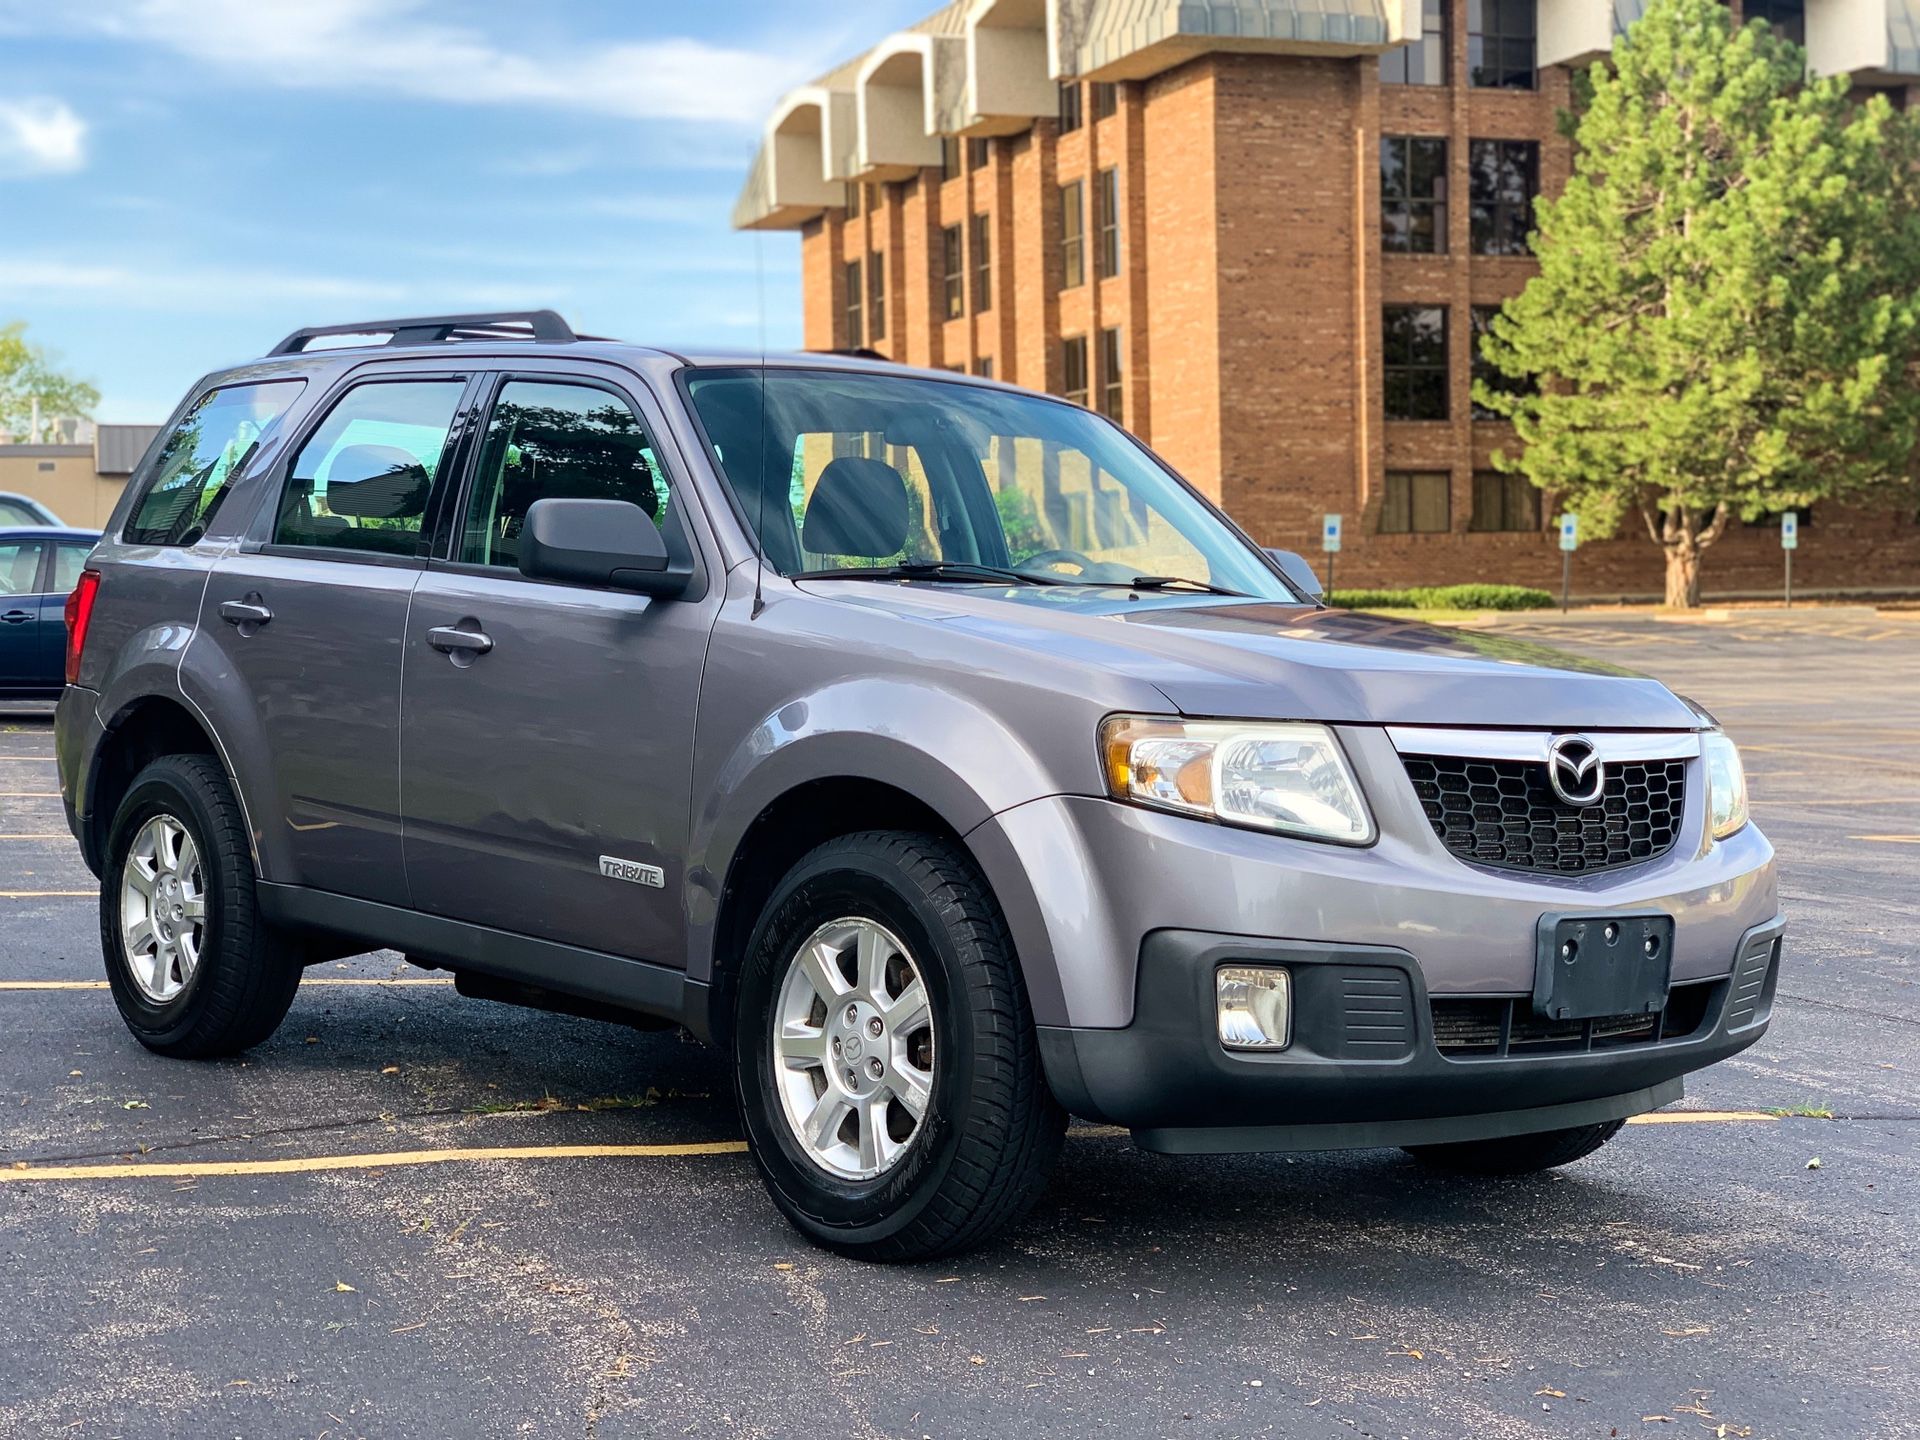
[[1726, 785], [1291, 778]]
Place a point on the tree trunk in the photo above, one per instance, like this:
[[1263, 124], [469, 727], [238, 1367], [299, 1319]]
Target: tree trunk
[[1683, 577]]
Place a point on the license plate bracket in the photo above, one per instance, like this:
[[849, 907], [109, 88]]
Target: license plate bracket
[[1587, 966]]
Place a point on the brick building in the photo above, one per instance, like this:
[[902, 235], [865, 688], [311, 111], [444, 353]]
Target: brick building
[[1261, 234]]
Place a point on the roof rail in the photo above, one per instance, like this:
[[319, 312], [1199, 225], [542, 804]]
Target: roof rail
[[545, 326]]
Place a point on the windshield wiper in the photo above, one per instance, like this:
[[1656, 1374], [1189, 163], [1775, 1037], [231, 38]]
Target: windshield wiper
[[1167, 582], [960, 572]]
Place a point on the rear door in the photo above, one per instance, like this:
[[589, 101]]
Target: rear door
[[20, 614], [546, 776], [310, 614]]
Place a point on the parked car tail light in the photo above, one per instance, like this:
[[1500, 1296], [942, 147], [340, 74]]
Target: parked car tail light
[[79, 614]]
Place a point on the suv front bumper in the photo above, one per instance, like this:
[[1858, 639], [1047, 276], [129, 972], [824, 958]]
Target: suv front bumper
[[1364, 1067]]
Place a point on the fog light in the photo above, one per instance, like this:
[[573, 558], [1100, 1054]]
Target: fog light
[[1255, 1005]]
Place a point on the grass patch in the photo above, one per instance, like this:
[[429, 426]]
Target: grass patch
[[1445, 597], [1802, 1112], [548, 1104]]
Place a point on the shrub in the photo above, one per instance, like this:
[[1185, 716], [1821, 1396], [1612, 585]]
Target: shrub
[[1445, 597]]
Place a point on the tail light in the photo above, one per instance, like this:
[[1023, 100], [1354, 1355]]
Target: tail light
[[79, 614]]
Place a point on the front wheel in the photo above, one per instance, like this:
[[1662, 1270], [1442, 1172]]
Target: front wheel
[[1518, 1154], [885, 1057], [195, 971]]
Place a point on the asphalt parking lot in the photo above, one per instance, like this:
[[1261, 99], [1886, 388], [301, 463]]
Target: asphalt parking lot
[[333, 1257]]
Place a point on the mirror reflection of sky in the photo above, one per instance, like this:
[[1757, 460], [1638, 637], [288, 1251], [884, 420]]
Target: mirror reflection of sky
[[184, 181]]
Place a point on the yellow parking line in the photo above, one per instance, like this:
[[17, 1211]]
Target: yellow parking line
[[1889, 839], [45, 894], [50, 835], [1698, 1117], [340, 980], [29, 794], [209, 1169]]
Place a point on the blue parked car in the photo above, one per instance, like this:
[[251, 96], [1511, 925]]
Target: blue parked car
[[39, 566]]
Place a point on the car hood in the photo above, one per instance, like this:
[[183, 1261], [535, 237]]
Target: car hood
[[1261, 660]]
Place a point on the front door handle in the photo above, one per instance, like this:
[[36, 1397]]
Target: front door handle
[[17, 617], [449, 639], [245, 612]]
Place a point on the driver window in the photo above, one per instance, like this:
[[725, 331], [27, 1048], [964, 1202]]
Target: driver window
[[1054, 502], [556, 441]]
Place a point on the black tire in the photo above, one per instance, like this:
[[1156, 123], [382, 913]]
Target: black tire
[[992, 1129], [1517, 1154], [247, 973]]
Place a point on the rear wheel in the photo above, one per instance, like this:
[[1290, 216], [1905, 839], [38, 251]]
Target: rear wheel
[[194, 970], [885, 1056], [1518, 1154]]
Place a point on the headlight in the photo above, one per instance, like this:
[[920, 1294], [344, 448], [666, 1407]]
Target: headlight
[[1726, 785], [1286, 777]]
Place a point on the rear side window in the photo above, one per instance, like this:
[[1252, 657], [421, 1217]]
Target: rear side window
[[68, 562], [19, 567], [362, 481], [196, 465]]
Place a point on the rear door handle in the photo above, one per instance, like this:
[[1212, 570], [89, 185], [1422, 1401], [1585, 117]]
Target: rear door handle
[[244, 612], [450, 638], [17, 617]]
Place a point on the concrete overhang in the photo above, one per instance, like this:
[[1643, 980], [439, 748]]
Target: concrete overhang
[[1868, 39], [908, 95], [1009, 84], [1135, 39]]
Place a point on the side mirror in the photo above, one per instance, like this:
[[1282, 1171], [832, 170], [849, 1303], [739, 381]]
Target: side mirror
[[610, 544], [1298, 572]]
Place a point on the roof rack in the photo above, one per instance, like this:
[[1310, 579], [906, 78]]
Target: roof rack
[[544, 326]]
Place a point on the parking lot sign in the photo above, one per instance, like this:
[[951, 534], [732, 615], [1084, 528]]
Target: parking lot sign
[[1569, 542], [1790, 530], [1569, 532], [1330, 535]]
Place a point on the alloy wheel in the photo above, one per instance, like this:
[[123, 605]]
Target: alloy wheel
[[163, 908]]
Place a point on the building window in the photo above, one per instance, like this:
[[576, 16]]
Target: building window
[[1500, 51], [1484, 370], [1070, 115], [1073, 369], [950, 157], [853, 200], [1073, 235], [983, 367], [1106, 100], [982, 263], [1414, 348], [1504, 502], [856, 333], [1503, 176], [1413, 194], [1423, 61], [1106, 197], [877, 294], [979, 152], [1417, 502], [1113, 392], [953, 268], [1787, 17]]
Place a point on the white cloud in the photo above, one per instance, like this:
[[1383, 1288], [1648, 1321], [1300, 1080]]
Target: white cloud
[[40, 137], [200, 290], [394, 48]]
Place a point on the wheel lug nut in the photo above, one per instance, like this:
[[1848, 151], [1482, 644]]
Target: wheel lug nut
[[852, 1079], [853, 1014], [873, 1028], [874, 1068], [836, 1044]]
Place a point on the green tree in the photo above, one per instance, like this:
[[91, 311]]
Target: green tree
[[30, 374], [1727, 314]]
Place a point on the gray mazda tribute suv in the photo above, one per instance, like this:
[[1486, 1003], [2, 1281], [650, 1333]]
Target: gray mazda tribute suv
[[925, 744]]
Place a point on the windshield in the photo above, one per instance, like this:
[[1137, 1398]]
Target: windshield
[[853, 473]]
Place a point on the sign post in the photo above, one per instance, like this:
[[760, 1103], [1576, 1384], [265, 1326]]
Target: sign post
[[1789, 542], [1330, 543], [1569, 542]]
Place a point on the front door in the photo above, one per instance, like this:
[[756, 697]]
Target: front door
[[312, 620], [20, 659], [545, 761]]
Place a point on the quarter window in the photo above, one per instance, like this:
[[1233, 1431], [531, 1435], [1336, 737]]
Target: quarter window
[[1417, 502], [1424, 61], [555, 441], [1413, 194], [68, 562], [1503, 176], [1073, 235], [1414, 349], [362, 480], [196, 464]]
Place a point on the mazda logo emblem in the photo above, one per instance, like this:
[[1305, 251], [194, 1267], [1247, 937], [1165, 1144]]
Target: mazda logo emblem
[[1574, 770]]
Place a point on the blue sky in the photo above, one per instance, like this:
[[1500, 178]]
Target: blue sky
[[183, 181]]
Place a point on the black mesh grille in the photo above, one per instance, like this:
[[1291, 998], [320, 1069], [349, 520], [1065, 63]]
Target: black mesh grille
[[1502, 813], [1465, 1028]]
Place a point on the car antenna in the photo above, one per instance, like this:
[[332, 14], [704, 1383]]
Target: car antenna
[[760, 490]]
